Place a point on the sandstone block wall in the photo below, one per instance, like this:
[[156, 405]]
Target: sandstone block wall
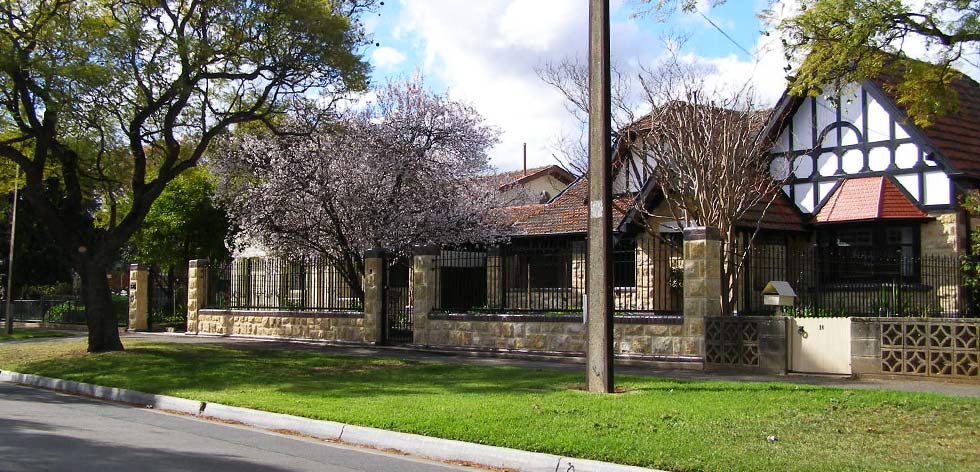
[[340, 326], [637, 335]]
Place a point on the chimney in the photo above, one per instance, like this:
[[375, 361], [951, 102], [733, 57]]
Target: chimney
[[525, 159]]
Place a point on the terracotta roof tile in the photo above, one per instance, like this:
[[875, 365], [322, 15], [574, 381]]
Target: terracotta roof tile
[[567, 213], [781, 215], [869, 198], [509, 178]]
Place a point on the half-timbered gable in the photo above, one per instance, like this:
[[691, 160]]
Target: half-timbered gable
[[860, 133]]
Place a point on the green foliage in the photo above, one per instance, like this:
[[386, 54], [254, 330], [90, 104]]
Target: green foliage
[[183, 223], [46, 291], [813, 312], [29, 333], [663, 423], [970, 264], [111, 101], [844, 41]]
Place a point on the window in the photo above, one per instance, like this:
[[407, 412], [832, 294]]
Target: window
[[873, 252], [624, 263]]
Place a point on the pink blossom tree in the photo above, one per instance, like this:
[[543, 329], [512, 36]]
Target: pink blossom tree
[[400, 172]]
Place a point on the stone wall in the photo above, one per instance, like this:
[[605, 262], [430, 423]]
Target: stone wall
[[328, 326], [944, 236], [633, 335]]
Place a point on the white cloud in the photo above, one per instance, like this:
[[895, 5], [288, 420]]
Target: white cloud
[[385, 57], [486, 52]]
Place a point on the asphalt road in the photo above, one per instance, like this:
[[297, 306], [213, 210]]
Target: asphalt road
[[45, 431]]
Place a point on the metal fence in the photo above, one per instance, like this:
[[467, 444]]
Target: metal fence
[[270, 283], [167, 299], [63, 310], [549, 277], [840, 283]]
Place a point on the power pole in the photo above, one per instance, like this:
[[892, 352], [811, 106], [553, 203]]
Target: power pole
[[599, 304], [10, 259]]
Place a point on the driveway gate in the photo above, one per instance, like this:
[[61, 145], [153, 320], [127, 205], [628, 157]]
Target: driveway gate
[[397, 300]]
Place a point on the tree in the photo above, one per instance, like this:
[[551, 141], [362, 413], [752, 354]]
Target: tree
[[702, 145], [184, 223], [844, 41], [831, 43], [571, 77], [403, 171], [116, 98], [706, 149]]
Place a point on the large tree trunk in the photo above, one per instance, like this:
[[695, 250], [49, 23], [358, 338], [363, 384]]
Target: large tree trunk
[[103, 327]]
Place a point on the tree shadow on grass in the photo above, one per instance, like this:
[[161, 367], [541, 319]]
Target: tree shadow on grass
[[223, 369]]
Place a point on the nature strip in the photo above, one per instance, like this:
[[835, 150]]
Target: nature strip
[[414, 444]]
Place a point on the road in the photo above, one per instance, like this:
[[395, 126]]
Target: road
[[45, 431]]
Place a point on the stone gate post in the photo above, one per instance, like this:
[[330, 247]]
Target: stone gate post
[[197, 292], [373, 286], [702, 285], [425, 276], [139, 297]]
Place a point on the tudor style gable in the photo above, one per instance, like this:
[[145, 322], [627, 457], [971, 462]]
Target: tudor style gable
[[861, 133]]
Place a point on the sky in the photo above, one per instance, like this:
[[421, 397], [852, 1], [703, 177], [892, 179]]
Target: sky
[[485, 52]]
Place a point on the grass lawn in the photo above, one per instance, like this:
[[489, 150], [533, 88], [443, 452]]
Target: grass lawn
[[29, 333], [662, 423]]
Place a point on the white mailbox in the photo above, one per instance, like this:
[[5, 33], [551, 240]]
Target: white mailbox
[[778, 293]]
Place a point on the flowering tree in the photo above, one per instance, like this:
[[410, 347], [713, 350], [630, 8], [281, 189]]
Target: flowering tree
[[103, 103], [401, 172]]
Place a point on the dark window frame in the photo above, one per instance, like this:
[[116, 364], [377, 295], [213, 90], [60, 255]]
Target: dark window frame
[[873, 260]]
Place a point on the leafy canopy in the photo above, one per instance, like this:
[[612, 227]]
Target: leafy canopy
[[845, 41]]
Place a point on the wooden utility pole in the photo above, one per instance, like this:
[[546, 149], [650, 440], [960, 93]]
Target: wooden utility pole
[[10, 259], [599, 303]]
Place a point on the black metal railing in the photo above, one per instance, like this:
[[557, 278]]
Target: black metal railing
[[269, 283], [834, 283], [549, 277], [63, 310]]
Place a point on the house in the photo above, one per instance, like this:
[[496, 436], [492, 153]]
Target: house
[[867, 223], [526, 186], [880, 196]]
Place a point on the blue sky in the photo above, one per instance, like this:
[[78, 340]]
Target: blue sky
[[484, 52]]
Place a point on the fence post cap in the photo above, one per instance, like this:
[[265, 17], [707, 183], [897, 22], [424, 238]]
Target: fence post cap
[[702, 233], [197, 263], [427, 250], [139, 267], [374, 253]]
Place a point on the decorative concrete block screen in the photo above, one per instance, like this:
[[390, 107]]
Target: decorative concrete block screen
[[752, 342], [930, 347]]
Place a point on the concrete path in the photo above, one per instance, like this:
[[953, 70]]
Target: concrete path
[[568, 363], [41, 430]]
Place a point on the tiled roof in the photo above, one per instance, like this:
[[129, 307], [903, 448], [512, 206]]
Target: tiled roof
[[504, 180], [567, 213], [781, 215], [864, 199]]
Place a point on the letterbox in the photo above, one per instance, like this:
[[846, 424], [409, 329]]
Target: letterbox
[[778, 293]]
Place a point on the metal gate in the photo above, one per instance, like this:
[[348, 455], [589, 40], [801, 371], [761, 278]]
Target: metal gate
[[167, 300], [397, 300]]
